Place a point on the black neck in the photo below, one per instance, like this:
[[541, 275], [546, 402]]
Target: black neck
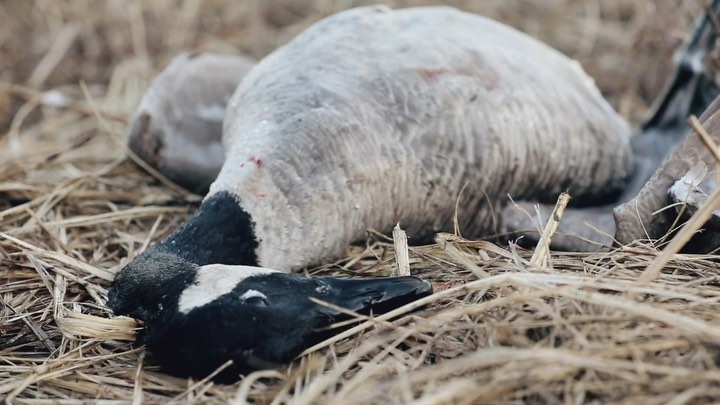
[[219, 232]]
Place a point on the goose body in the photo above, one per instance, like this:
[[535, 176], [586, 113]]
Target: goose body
[[374, 117], [369, 118]]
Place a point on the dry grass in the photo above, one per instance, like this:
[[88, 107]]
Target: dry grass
[[74, 211]]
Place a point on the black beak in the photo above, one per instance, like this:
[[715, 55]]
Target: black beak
[[366, 295]]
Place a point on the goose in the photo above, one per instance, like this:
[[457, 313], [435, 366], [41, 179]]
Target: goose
[[369, 118]]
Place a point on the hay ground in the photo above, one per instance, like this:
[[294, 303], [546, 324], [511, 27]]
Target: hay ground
[[501, 328]]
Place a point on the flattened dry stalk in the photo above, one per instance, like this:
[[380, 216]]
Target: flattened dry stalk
[[76, 325], [446, 242], [695, 222], [542, 250], [52, 58], [402, 256]]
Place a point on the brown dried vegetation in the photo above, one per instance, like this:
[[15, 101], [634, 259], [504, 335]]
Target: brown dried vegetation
[[501, 328]]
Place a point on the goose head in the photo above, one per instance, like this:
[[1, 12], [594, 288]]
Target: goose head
[[259, 318]]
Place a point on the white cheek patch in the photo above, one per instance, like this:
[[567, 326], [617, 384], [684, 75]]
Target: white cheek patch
[[215, 280]]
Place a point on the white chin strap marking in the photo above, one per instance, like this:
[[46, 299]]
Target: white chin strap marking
[[214, 281]]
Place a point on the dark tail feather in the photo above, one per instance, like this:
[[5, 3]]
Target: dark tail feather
[[690, 90]]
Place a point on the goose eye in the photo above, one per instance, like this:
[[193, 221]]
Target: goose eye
[[257, 301], [255, 298]]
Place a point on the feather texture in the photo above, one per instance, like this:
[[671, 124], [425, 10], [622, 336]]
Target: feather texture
[[374, 116]]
